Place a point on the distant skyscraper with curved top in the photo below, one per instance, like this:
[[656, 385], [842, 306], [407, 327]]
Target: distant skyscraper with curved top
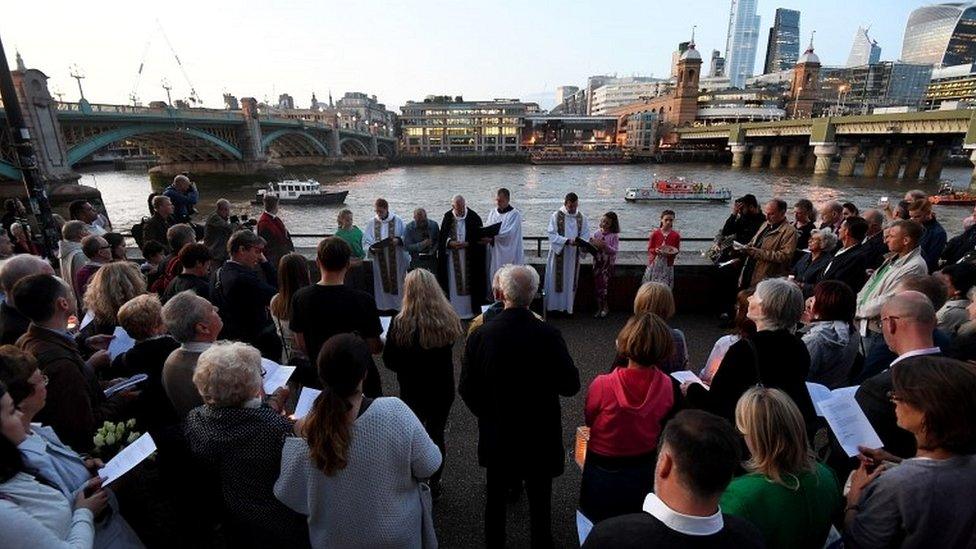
[[941, 34], [740, 45], [864, 50], [783, 48]]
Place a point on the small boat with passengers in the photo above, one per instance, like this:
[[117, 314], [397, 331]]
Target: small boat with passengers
[[678, 189], [947, 196], [294, 191]]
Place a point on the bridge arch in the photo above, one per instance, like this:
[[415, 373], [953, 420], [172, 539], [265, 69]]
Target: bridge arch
[[386, 149], [104, 139], [351, 146], [269, 139]]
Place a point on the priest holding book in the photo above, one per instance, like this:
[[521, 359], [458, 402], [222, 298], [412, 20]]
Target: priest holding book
[[383, 240], [569, 235], [503, 235], [461, 259]]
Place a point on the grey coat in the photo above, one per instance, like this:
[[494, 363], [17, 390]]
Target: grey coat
[[833, 346]]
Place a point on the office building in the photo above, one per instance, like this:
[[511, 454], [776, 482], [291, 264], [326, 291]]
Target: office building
[[676, 56], [569, 132], [952, 88], [717, 66], [362, 112], [565, 92], [641, 132], [783, 47], [864, 50], [859, 90], [941, 34], [444, 125], [574, 103], [605, 93], [740, 45]]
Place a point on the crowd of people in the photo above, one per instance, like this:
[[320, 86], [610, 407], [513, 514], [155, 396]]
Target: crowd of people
[[878, 303]]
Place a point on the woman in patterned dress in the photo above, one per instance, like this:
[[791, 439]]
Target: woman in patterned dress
[[662, 249], [606, 240]]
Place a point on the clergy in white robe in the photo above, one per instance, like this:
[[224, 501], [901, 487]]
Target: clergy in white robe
[[461, 259], [390, 262], [562, 268], [506, 246]]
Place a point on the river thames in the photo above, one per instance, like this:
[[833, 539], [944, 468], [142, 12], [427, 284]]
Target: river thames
[[537, 191]]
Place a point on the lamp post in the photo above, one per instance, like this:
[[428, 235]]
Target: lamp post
[[26, 160]]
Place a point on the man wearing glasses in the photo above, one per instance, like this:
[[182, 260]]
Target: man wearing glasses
[[907, 322]]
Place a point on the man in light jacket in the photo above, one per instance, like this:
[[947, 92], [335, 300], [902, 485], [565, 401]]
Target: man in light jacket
[[770, 252], [69, 250], [902, 238]]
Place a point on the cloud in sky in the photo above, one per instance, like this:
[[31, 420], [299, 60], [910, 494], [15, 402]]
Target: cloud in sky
[[395, 49]]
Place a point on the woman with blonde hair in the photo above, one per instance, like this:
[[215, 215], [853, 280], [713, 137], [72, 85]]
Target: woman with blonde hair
[[655, 297], [420, 349], [112, 285], [786, 494]]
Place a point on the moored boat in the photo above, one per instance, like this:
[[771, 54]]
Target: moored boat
[[678, 189], [293, 191], [948, 196]]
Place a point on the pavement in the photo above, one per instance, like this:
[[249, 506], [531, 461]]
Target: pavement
[[458, 514]]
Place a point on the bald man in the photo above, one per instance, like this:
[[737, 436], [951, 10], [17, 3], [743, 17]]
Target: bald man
[[907, 323]]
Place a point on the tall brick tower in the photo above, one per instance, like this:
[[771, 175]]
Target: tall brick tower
[[683, 107], [805, 89]]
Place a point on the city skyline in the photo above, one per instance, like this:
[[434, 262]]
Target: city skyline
[[398, 52]]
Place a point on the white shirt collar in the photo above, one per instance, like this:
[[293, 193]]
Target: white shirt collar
[[462, 216], [685, 524], [916, 352], [196, 346]]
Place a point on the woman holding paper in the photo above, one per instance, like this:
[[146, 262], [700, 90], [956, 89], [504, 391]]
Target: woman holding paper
[[626, 410], [786, 494], [925, 501], [238, 440], [32, 512], [44, 453], [420, 349]]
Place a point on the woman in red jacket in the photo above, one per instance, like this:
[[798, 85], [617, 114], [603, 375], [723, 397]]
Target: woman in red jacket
[[662, 248], [626, 410]]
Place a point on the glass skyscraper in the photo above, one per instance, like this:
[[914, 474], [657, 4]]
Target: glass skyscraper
[[740, 46], [943, 34], [783, 48], [864, 51]]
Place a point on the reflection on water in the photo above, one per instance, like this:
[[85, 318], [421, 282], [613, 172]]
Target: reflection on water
[[537, 191]]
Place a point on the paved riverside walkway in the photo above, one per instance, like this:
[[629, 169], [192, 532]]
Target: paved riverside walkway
[[458, 514]]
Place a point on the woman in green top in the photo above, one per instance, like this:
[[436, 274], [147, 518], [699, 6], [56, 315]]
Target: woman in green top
[[351, 234], [787, 495]]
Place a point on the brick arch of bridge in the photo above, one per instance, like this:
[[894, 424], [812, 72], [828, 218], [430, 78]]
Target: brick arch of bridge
[[385, 149], [161, 136], [353, 147], [286, 138]]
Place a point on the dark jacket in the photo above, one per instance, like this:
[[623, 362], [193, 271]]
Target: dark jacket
[[515, 369], [152, 408], [155, 229], [243, 299], [849, 267], [76, 404], [216, 233], [426, 376], [933, 243], [960, 245], [183, 282], [808, 272], [780, 361], [240, 450], [643, 530], [474, 256], [183, 202], [413, 237], [272, 229], [875, 250], [12, 324], [743, 227]]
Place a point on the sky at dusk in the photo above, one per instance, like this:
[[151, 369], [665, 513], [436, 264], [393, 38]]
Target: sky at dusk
[[397, 50]]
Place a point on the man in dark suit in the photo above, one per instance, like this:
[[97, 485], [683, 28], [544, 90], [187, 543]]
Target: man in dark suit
[[875, 247], [243, 297], [76, 404], [461, 254], [847, 264], [515, 368], [12, 323], [699, 454]]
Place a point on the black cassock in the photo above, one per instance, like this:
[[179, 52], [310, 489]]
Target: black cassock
[[474, 257]]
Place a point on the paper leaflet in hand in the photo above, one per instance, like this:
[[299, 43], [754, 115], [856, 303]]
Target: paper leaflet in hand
[[819, 393], [121, 342], [123, 385], [89, 316], [275, 375], [305, 402], [583, 526], [687, 376], [738, 246], [848, 423], [385, 323], [129, 457]]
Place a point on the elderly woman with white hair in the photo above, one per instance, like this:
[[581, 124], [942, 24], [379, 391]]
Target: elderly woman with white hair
[[774, 357], [808, 270], [20, 232], [237, 440]]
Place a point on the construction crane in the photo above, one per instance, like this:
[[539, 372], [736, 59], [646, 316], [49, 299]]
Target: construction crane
[[193, 98]]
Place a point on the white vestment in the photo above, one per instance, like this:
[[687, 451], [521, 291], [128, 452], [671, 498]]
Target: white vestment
[[562, 267], [507, 246], [461, 303], [389, 264]]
